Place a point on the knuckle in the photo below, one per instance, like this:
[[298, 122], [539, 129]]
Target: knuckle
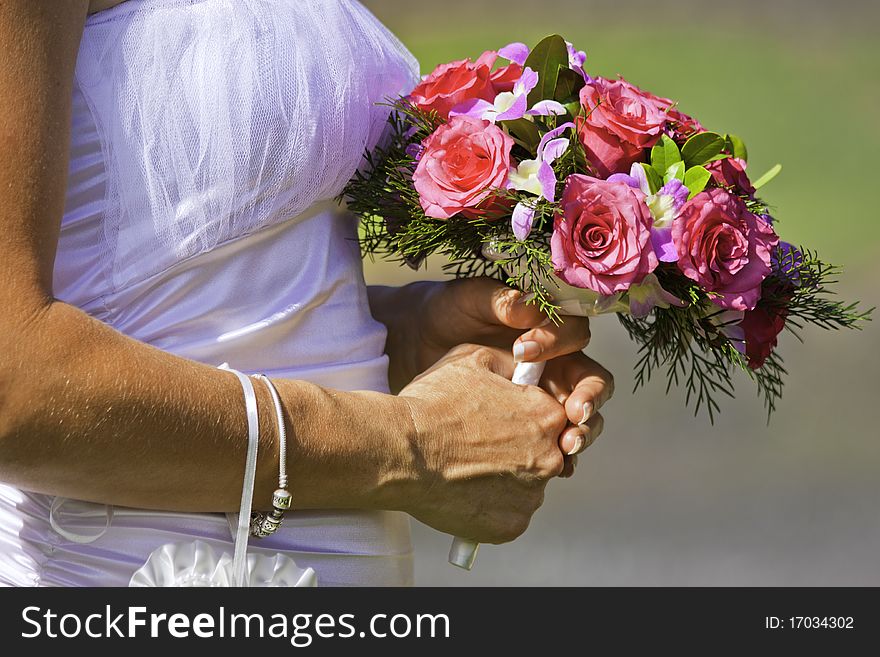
[[477, 355], [553, 465], [556, 418], [461, 350]]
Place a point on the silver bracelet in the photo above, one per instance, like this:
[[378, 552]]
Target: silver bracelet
[[266, 524]]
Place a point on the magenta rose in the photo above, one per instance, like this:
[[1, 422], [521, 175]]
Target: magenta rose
[[451, 84], [602, 239], [621, 122], [724, 247], [462, 163], [731, 172]]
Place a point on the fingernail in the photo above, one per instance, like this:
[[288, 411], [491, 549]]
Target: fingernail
[[526, 351], [588, 411], [578, 445], [525, 298]]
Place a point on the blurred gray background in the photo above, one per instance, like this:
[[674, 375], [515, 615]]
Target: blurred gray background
[[664, 498]]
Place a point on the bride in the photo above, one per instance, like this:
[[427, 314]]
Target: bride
[[168, 176]]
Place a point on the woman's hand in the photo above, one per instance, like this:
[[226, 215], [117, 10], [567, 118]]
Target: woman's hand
[[484, 448], [427, 319]]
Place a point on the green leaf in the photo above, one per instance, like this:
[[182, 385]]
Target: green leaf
[[574, 108], [702, 147], [767, 177], [737, 147], [568, 85], [525, 131], [655, 182], [664, 154], [695, 179], [674, 171], [545, 59]]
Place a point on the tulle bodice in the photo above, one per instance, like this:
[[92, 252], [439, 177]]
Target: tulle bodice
[[221, 117], [209, 140]]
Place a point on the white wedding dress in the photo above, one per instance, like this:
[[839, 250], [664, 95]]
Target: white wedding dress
[[209, 140]]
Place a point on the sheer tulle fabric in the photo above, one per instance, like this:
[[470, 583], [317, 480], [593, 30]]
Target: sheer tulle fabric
[[225, 116]]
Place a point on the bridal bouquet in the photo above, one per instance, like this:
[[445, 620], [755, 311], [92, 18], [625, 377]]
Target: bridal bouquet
[[596, 196]]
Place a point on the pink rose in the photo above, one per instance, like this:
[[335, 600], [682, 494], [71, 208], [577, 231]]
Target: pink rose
[[731, 172], [621, 122], [462, 163], [724, 247], [455, 82], [602, 239]]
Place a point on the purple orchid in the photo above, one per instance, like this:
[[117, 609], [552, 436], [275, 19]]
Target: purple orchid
[[537, 177], [509, 105], [415, 151], [518, 53], [786, 259], [576, 60], [515, 52], [664, 206], [648, 295]]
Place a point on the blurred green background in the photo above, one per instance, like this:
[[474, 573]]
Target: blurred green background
[[664, 498]]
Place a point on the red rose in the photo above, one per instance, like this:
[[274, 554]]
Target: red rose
[[451, 84], [505, 77], [761, 327], [462, 163], [679, 126], [621, 122], [731, 172]]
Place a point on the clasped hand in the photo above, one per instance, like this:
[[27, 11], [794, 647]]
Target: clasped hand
[[487, 447]]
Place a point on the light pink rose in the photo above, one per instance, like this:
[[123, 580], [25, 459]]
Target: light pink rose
[[463, 162], [724, 247], [621, 122], [602, 239]]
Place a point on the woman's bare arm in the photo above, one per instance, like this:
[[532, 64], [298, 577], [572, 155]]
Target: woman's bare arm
[[90, 413]]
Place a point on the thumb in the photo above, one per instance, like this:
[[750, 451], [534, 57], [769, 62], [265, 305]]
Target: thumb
[[492, 303]]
